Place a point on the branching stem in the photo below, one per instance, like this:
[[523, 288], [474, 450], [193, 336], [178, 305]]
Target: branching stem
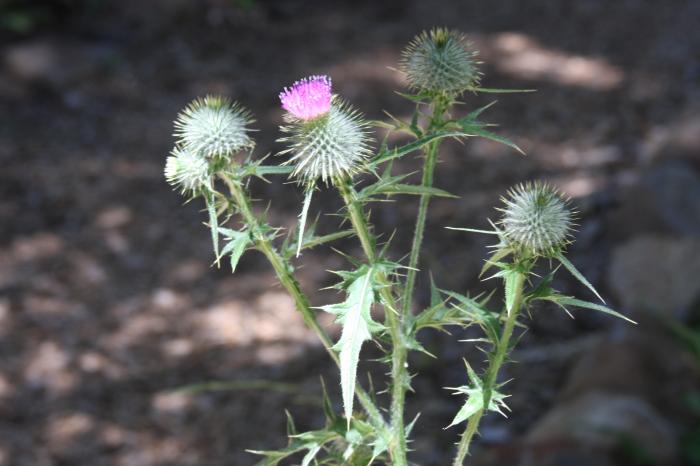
[[399, 370], [496, 361], [283, 270], [431, 153]]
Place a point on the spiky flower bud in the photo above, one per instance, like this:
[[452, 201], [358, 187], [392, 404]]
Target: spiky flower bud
[[213, 127], [326, 138], [187, 171], [440, 60], [537, 220]]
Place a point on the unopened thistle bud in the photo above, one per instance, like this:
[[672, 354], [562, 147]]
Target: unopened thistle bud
[[440, 61], [213, 127], [537, 220], [187, 171], [327, 139]]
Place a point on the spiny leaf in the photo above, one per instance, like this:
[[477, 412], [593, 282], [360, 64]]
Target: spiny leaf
[[213, 224], [313, 451], [291, 428], [474, 130], [544, 288], [302, 217], [358, 326], [477, 313], [472, 230], [319, 240], [411, 189], [473, 115], [564, 301], [500, 253], [574, 271], [487, 90], [312, 441], [417, 98], [262, 170], [475, 399], [513, 283], [397, 152], [435, 297], [327, 405], [238, 242]]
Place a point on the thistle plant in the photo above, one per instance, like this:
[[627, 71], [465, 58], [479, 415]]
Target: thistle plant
[[324, 140]]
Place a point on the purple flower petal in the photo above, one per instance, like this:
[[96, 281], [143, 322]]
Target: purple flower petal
[[308, 98]]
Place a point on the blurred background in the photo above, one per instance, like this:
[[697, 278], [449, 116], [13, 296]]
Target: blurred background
[[108, 304]]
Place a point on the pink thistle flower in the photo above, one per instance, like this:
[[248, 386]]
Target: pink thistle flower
[[308, 98]]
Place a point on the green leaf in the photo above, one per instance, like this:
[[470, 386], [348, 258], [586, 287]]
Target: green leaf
[[564, 301], [213, 224], [312, 441], [544, 288], [473, 115], [303, 216], [410, 189], [319, 240], [291, 428], [474, 130], [417, 98], [574, 271], [391, 154], [262, 170], [472, 230], [514, 280], [500, 253], [358, 326], [476, 312], [313, 451], [327, 405], [487, 90], [475, 399], [238, 242]]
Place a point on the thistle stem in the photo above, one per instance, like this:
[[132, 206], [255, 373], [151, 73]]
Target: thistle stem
[[440, 106], [283, 271], [499, 356], [427, 181], [399, 372]]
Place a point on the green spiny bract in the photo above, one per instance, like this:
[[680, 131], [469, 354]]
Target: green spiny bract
[[187, 171], [329, 147], [537, 220], [214, 128], [440, 61]]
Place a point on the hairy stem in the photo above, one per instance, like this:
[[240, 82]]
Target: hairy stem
[[496, 361], [431, 153], [399, 371], [283, 271], [427, 181]]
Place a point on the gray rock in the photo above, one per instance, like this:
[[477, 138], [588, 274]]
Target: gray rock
[[598, 421], [665, 199], [676, 194], [656, 273]]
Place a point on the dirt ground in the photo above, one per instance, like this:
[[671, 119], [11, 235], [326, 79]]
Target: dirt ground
[[108, 303]]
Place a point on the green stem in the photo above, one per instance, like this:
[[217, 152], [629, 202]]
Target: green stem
[[427, 181], [440, 106], [501, 351], [399, 372], [283, 270]]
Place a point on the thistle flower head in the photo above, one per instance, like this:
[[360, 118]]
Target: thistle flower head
[[187, 171], [536, 219], [213, 127], [440, 61], [308, 98], [330, 145]]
